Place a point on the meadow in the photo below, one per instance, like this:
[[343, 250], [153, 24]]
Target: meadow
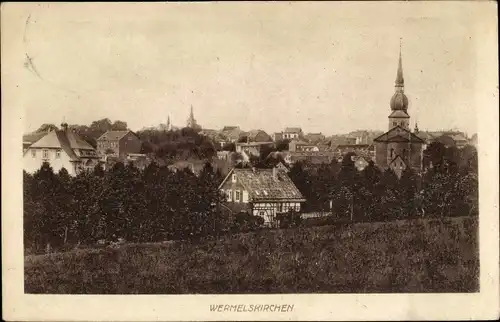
[[417, 255]]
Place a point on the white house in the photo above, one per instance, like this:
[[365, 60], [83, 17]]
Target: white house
[[61, 149]]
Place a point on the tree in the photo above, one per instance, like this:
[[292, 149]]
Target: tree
[[229, 147], [46, 128], [282, 145], [434, 155], [119, 126]]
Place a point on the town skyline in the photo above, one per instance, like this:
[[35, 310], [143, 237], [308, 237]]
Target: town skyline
[[332, 74]]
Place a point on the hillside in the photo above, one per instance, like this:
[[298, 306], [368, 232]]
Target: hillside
[[399, 256]]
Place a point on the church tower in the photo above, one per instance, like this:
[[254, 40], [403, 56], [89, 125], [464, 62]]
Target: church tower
[[399, 102], [191, 122], [399, 149], [169, 126]]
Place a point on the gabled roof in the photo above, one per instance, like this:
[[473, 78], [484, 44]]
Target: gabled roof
[[253, 133], [70, 142], [300, 142], [293, 130], [230, 128], [398, 134], [262, 185], [254, 143], [114, 135], [33, 137]]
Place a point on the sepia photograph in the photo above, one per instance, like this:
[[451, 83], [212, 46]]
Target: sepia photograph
[[252, 149]]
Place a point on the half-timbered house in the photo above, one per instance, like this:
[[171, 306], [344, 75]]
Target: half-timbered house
[[261, 192]]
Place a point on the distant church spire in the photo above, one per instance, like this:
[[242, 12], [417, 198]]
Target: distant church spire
[[168, 123], [400, 82], [191, 122]]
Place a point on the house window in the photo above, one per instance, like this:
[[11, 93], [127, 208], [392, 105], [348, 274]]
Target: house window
[[237, 196], [404, 153], [394, 123], [392, 153], [58, 154], [233, 178], [33, 153], [229, 195], [45, 154]]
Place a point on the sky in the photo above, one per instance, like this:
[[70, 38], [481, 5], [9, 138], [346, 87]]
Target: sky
[[325, 67]]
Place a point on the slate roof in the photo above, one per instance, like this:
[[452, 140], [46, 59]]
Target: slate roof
[[398, 134], [254, 143], [262, 185], [113, 135], [313, 157], [33, 137], [253, 134], [314, 137], [70, 142], [230, 128], [233, 134], [292, 130]]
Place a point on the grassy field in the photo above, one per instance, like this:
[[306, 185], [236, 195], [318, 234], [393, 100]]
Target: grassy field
[[399, 256]]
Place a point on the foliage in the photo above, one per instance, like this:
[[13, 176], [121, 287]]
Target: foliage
[[182, 144], [407, 256], [121, 202]]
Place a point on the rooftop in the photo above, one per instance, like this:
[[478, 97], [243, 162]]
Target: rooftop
[[267, 184]]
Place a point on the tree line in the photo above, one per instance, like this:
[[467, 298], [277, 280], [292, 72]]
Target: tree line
[[122, 202], [448, 187], [157, 204]]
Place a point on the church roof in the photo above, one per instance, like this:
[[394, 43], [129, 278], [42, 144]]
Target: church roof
[[399, 101], [398, 134], [400, 114]]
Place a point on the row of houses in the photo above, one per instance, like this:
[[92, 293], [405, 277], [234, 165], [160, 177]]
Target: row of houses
[[64, 148]]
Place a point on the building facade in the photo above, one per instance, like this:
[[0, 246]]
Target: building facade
[[291, 133], [399, 148], [261, 192], [61, 149], [118, 144], [298, 146]]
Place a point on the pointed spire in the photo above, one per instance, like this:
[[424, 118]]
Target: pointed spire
[[400, 82]]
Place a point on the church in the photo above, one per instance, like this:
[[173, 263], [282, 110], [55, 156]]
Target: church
[[399, 148]]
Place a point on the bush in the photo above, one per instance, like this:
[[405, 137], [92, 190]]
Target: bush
[[289, 219], [244, 222]]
